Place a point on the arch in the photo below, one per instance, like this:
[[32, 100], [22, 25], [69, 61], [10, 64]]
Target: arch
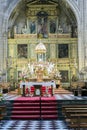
[[75, 9], [14, 3], [11, 8], [70, 2], [77, 13]]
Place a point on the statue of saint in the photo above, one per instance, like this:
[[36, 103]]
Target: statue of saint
[[15, 29], [25, 30], [32, 27]]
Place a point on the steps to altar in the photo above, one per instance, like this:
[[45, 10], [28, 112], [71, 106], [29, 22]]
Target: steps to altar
[[60, 99], [60, 90], [34, 108]]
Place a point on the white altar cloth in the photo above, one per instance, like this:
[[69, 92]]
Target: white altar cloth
[[29, 84]]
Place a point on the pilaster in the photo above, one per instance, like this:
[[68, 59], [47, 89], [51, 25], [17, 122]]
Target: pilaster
[[85, 31]]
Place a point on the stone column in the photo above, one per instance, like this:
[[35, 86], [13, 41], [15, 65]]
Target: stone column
[[32, 51], [81, 36], [85, 31], [52, 51], [1, 41]]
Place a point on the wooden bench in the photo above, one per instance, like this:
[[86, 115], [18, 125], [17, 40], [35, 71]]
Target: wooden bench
[[78, 120], [75, 115], [69, 111], [73, 106]]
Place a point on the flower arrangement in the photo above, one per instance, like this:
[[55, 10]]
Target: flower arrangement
[[57, 75], [23, 74]]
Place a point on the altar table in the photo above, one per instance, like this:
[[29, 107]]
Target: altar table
[[29, 84], [37, 87]]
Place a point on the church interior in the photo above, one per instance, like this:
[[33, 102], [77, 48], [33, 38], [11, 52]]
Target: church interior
[[43, 84]]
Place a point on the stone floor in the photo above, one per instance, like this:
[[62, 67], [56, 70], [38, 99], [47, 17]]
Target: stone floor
[[33, 125], [57, 96], [38, 124]]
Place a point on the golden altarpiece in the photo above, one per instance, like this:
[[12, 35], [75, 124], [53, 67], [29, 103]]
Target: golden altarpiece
[[43, 23]]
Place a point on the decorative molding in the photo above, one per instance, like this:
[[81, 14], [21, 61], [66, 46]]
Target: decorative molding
[[49, 41]]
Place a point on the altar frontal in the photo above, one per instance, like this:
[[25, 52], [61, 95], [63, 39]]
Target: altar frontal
[[37, 88]]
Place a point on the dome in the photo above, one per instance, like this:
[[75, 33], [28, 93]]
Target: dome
[[40, 48]]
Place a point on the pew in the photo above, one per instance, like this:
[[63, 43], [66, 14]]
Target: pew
[[78, 120], [73, 106], [75, 115]]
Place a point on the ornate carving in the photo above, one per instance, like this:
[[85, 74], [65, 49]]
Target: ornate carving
[[32, 10]]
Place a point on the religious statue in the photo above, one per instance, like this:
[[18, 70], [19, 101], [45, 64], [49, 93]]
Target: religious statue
[[25, 30], [15, 29], [32, 27], [52, 27], [42, 25]]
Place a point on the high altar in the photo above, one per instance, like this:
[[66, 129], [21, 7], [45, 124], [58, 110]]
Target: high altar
[[52, 26], [37, 88], [40, 69]]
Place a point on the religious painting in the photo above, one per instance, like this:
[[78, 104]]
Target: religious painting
[[63, 51], [42, 30], [22, 50], [52, 26], [64, 75]]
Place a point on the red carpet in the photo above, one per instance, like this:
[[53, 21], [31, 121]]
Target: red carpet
[[34, 108], [27, 99]]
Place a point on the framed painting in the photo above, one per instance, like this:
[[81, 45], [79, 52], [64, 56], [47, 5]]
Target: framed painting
[[22, 50], [63, 51], [64, 75]]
